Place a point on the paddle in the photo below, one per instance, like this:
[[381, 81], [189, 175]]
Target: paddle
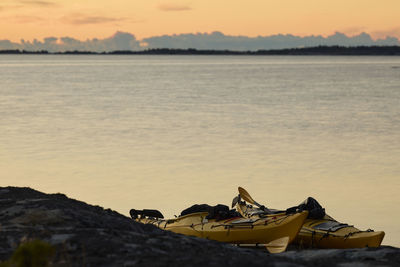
[[278, 245], [246, 196], [275, 246]]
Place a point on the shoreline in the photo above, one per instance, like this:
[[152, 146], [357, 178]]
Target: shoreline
[[307, 51], [87, 235]]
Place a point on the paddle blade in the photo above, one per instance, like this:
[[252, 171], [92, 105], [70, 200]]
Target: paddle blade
[[278, 245], [235, 201], [245, 195]]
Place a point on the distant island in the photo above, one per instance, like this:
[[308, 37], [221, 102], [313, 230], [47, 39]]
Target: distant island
[[306, 51], [125, 41]]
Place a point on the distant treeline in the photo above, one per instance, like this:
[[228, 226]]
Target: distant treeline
[[318, 50]]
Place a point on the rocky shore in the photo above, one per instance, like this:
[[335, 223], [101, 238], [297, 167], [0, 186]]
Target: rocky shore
[[86, 235]]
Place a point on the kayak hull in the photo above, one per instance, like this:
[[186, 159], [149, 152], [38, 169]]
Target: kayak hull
[[346, 237], [340, 236], [278, 227], [235, 230]]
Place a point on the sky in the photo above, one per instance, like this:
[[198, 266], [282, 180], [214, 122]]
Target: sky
[[87, 19]]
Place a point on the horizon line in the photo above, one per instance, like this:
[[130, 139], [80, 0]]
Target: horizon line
[[325, 36], [203, 41], [316, 50]]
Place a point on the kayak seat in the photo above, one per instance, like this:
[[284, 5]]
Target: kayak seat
[[330, 226], [264, 212]]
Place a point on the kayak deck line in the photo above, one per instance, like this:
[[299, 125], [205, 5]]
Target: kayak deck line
[[319, 230], [276, 231]]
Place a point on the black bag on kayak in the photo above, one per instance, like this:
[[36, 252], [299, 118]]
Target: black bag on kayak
[[315, 210], [196, 208], [218, 212]]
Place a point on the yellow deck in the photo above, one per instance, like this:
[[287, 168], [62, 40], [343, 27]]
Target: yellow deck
[[347, 237], [309, 237], [235, 230]]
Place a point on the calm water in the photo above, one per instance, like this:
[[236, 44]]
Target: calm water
[[166, 132]]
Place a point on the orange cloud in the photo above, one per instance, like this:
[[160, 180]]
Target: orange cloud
[[80, 19], [173, 7], [38, 3], [351, 31], [9, 7], [20, 4], [383, 34], [27, 19]]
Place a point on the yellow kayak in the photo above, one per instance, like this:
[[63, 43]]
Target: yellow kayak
[[236, 230], [329, 233], [319, 229]]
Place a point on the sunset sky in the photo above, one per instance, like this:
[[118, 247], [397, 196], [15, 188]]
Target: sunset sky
[[82, 19]]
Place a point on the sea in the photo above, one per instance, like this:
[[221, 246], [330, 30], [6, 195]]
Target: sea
[[169, 131]]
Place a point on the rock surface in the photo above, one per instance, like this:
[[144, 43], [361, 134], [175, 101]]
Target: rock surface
[[86, 235]]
